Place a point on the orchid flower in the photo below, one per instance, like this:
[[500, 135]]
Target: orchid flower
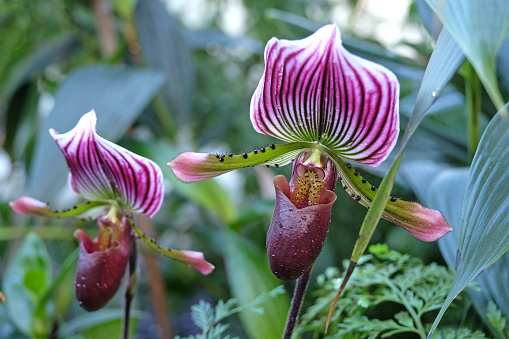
[[116, 184], [331, 107]]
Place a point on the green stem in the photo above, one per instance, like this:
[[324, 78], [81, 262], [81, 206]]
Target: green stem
[[473, 98], [164, 116]]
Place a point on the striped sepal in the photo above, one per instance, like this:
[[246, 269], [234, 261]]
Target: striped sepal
[[103, 171], [315, 90]]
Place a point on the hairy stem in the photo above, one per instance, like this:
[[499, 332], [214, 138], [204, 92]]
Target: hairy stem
[[298, 296]]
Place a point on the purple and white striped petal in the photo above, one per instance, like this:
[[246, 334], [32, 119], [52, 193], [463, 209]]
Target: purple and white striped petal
[[315, 90], [103, 171]]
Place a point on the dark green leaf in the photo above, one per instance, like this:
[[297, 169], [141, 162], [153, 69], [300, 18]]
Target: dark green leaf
[[164, 49]]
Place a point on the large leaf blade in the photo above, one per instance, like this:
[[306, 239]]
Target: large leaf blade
[[479, 28], [484, 221]]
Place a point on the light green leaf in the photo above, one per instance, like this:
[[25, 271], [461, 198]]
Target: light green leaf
[[249, 276], [484, 221], [437, 75], [103, 88], [26, 279], [479, 27], [446, 193]]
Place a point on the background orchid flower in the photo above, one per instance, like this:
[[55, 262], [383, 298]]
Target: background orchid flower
[[329, 105], [117, 183]]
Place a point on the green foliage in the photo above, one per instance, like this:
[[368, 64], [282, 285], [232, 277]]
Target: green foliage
[[25, 282], [401, 285], [208, 319]]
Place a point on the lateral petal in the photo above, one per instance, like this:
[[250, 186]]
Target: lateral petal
[[30, 206], [190, 166], [104, 171], [422, 223], [315, 90]]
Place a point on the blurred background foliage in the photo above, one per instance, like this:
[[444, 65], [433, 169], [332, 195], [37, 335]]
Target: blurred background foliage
[[165, 77]]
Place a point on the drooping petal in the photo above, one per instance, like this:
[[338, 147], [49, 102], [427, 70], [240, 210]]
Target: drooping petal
[[30, 206], [422, 223], [190, 166], [296, 235], [103, 171], [315, 90], [194, 259], [102, 263]]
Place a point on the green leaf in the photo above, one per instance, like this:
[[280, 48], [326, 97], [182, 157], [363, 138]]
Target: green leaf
[[479, 27], [26, 278], [103, 88], [443, 194], [437, 75], [105, 323], [249, 276], [165, 49], [483, 235]]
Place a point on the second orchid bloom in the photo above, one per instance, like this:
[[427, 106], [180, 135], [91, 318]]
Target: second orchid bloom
[[117, 184], [330, 107]]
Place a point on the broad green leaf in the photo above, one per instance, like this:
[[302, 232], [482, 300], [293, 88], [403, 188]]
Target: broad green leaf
[[479, 27], [118, 95], [249, 276], [26, 279], [437, 75], [446, 193], [164, 48], [429, 19], [484, 221]]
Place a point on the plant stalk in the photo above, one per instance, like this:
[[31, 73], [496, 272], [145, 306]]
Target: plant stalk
[[473, 98], [298, 296]]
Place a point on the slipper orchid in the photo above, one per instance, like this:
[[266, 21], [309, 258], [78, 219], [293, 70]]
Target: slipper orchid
[[329, 106], [117, 183]]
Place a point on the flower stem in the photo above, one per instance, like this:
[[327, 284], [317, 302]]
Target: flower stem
[[473, 98], [131, 283], [298, 296]]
